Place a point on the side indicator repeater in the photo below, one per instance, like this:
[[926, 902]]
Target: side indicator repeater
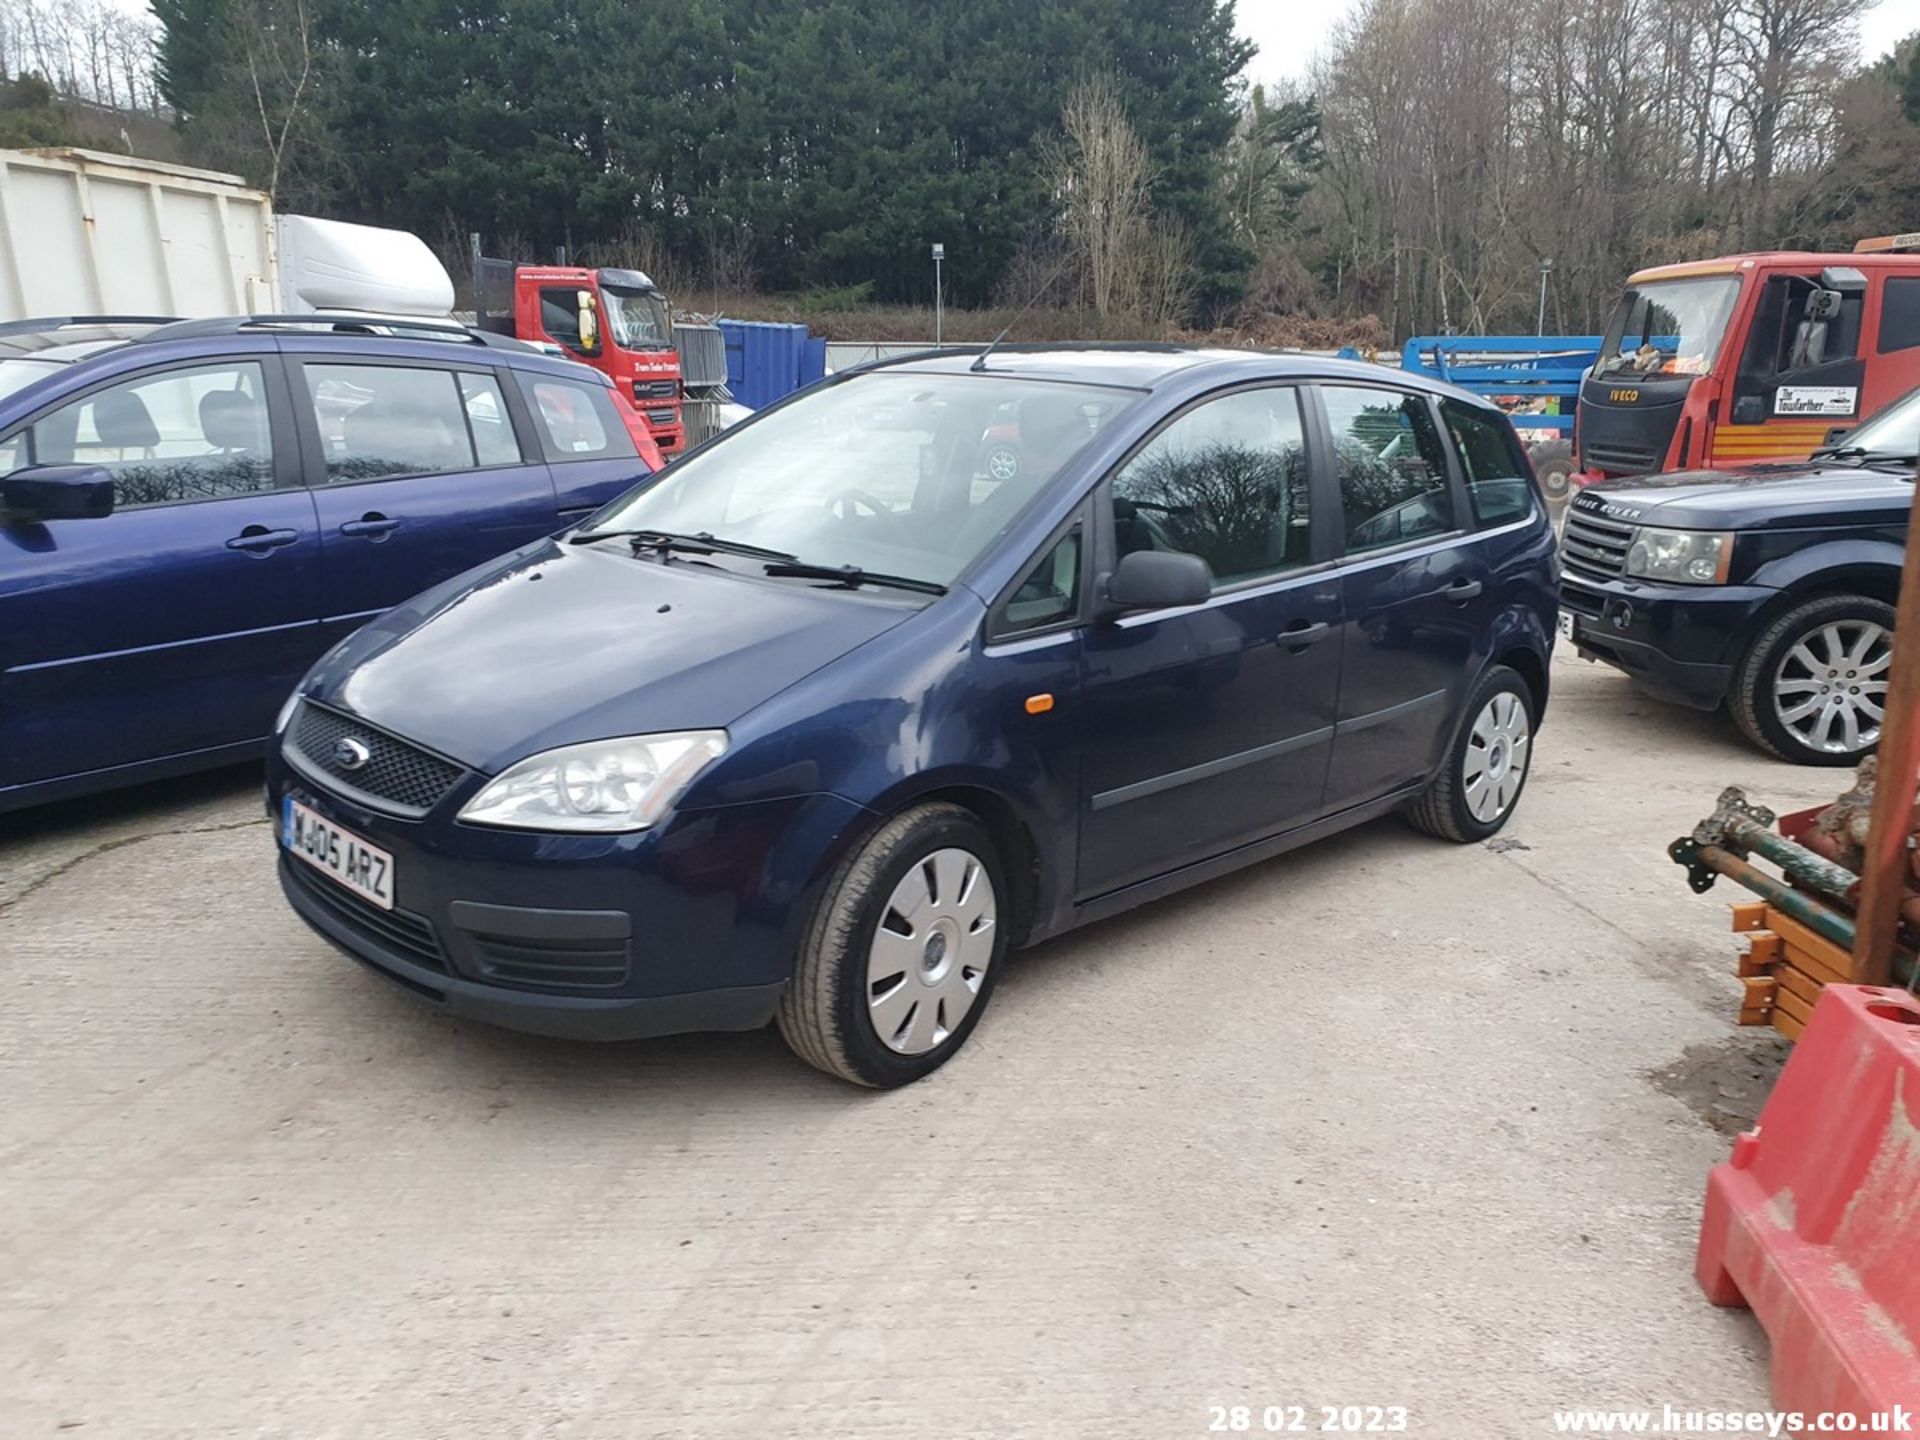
[[1039, 704]]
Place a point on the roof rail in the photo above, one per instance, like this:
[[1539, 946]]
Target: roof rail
[[35, 324], [338, 322]]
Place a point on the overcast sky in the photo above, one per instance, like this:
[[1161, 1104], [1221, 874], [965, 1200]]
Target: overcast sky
[[1288, 32]]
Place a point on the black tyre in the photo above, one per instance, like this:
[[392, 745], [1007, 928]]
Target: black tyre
[[1811, 686], [902, 953], [1553, 464], [1476, 791]]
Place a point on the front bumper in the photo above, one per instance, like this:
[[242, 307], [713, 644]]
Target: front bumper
[[690, 927], [1678, 642]]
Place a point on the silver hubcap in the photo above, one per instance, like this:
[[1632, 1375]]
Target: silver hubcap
[[1830, 688], [1496, 761], [931, 951]]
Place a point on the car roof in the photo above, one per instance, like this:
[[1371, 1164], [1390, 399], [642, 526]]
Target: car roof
[[1157, 366]]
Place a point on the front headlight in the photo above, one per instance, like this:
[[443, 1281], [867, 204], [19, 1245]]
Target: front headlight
[[1686, 557], [286, 711], [602, 786]]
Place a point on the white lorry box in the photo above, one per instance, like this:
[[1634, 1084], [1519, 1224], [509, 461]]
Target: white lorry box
[[87, 233]]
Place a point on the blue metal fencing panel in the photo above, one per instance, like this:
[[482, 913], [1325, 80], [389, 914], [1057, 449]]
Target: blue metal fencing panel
[[1536, 377], [767, 362]]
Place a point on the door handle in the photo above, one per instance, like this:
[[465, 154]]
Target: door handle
[[1461, 590], [1297, 636], [258, 539], [372, 525]]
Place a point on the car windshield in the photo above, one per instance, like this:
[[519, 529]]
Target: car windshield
[[638, 319], [1668, 327], [1893, 431], [18, 374], [894, 472]]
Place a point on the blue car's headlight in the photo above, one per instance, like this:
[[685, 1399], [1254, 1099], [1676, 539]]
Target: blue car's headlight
[[602, 786], [286, 711]]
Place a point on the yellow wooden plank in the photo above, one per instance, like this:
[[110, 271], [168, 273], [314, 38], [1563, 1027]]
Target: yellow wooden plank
[[1749, 915], [1799, 983], [1786, 1024], [1818, 955], [1785, 1000]]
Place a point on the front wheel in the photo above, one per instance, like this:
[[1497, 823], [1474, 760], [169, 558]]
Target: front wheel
[[901, 957], [1477, 789], [1812, 687]]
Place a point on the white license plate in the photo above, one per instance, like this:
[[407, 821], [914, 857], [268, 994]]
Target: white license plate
[[1568, 625], [365, 869]]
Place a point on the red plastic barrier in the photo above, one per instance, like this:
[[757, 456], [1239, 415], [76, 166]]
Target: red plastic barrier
[[1815, 1222]]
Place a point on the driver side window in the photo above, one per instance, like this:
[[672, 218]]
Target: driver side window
[[1227, 481]]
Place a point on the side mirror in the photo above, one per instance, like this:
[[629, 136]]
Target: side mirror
[[589, 321], [1158, 580], [56, 492], [1835, 436], [1749, 410]]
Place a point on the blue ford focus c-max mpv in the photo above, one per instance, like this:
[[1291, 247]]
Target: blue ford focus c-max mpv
[[819, 723]]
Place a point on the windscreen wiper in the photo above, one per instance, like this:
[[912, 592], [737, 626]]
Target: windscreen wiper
[[704, 543], [852, 576], [1861, 452]]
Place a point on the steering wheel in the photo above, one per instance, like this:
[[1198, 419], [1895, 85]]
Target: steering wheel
[[852, 498]]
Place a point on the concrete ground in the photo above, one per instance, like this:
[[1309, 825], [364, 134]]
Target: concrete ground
[[1385, 1122]]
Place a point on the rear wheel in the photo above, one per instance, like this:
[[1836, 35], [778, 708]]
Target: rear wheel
[[1811, 687], [901, 957], [1477, 789]]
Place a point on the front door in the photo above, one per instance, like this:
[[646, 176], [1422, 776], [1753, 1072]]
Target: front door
[[177, 624], [1800, 373], [1414, 588], [418, 473], [1209, 727]]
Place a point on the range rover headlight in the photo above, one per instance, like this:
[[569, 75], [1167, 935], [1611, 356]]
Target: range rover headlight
[[603, 786], [1684, 557]]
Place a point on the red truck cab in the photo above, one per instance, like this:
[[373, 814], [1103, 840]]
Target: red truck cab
[[1746, 359], [614, 320]]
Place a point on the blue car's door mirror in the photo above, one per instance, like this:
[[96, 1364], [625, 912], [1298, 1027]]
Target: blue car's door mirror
[[56, 492], [1158, 580]]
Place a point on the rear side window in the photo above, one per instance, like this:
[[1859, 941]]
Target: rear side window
[[1499, 479], [380, 421], [487, 418], [577, 420], [1392, 470], [1900, 315], [195, 434]]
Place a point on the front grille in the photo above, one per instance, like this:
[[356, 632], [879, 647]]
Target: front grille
[[397, 775], [660, 417], [1619, 459], [409, 936], [655, 389], [1594, 545]]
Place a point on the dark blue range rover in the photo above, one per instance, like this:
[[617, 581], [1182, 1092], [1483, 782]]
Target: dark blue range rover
[[819, 723]]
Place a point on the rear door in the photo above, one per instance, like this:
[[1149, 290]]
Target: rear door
[[585, 441], [418, 473], [1414, 590], [177, 624]]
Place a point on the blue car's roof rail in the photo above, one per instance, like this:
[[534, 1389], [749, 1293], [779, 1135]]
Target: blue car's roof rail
[[319, 323], [35, 324]]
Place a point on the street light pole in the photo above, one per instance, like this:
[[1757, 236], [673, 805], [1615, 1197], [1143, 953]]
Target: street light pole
[[1546, 269], [939, 299]]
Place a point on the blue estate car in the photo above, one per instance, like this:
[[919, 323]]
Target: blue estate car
[[192, 513], [819, 723]]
